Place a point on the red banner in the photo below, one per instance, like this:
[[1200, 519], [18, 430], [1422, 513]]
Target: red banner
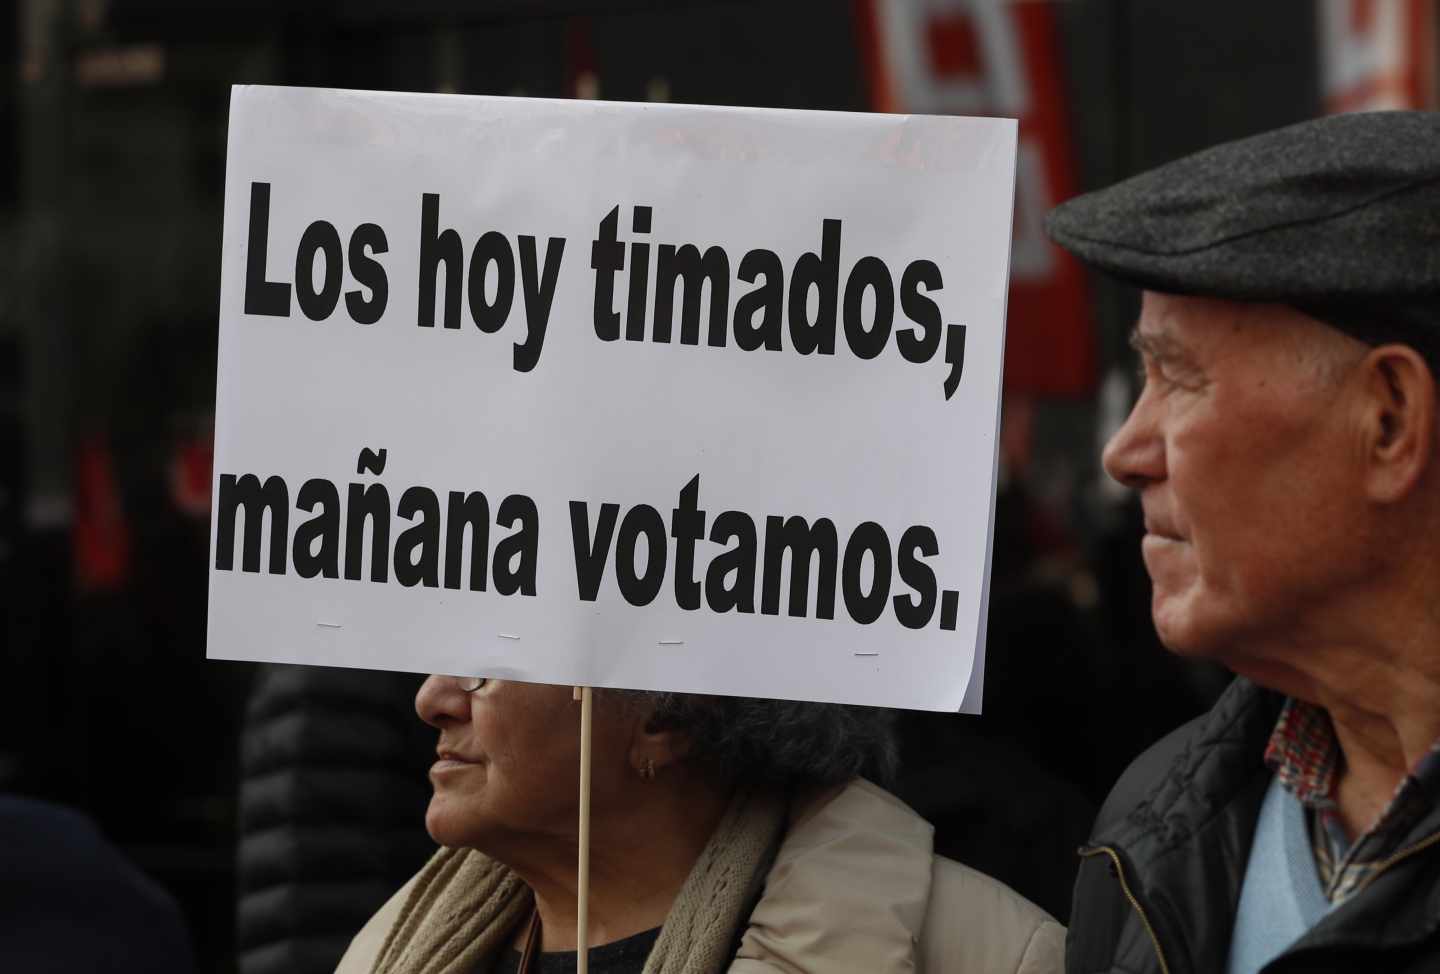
[[953, 57], [1377, 54]]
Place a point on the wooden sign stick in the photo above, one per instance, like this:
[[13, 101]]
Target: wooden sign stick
[[582, 885]]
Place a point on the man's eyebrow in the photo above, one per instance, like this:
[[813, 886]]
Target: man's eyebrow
[[1160, 347]]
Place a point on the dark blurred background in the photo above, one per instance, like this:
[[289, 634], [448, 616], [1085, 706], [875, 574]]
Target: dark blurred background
[[112, 163]]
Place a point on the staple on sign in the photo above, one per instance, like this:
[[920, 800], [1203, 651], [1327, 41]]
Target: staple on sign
[[867, 654], [672, 642], [508, 635], [329, 625]]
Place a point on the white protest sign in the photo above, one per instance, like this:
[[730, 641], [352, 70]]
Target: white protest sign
[[647, 396]]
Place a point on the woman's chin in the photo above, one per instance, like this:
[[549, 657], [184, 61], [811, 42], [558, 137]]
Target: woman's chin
[[445, 826]]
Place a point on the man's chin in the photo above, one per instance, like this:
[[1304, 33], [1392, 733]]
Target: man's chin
[[1181, 633]]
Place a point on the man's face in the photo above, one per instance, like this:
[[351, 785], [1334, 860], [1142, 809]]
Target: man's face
[[1246, 469]]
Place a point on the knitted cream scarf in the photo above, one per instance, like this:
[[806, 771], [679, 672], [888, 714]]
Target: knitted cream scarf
[[465, 906]]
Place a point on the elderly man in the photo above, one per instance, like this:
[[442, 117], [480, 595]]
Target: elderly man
[[1286, 447]]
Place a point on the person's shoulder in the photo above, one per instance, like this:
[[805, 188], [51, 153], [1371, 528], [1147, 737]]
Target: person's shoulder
[[847, 889], [1145, 772], [856, 820], [49, 852], [1170, 767], [975, 923], [1098, 911], [857, 864], [42, 819]]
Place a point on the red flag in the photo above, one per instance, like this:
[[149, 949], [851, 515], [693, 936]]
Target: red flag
[[1377, 54], [101, 535], [944, 57]]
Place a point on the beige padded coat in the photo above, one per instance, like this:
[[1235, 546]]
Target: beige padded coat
[[855, 888]]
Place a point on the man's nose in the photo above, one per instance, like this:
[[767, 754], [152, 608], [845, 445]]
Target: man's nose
[[1135, 455], [440, 701]]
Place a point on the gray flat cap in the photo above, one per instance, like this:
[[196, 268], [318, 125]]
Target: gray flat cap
[[1339, 217]]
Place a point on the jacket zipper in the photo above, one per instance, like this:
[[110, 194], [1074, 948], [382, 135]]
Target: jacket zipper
[[1139, 910]]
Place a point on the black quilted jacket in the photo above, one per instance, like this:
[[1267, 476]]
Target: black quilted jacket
[[332, 810], [1160, 879]]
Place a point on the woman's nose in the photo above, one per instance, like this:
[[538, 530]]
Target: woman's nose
[[440, 701], [1135, 455]]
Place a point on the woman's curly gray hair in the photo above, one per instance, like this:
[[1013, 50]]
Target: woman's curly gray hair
[[785, 742]]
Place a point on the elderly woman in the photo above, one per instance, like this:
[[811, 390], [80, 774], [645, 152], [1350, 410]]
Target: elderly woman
[[726, 834]]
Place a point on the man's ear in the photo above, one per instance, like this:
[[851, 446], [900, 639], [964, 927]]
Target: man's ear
[[1399, 423]]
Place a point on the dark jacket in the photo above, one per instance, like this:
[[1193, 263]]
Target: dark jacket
[[1162, 874], [332, 810]]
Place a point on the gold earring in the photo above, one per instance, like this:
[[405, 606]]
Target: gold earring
[[647, 773]]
